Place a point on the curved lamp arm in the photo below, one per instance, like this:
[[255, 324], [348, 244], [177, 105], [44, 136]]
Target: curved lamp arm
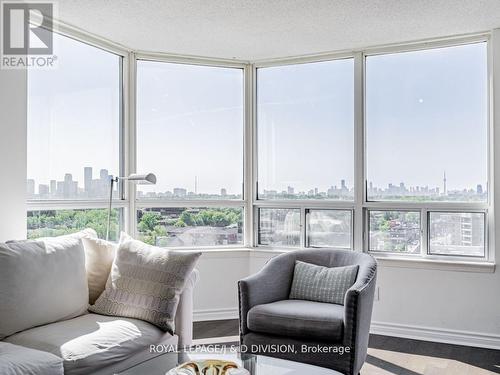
[[147, 179]]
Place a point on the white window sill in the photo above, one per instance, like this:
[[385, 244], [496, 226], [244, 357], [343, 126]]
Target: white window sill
[[436, 264], [383, 261], [407, 262]]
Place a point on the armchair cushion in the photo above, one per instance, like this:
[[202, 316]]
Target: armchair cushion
[[298, 318]]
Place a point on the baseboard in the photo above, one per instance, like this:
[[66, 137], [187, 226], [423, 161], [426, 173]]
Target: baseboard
[[466, 338], [215, 314]]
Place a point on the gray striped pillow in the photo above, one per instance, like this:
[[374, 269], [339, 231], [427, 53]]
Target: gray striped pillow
[[322, 284]]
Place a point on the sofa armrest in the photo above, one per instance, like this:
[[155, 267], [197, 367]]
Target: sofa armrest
[[270, 284], [184, 314]]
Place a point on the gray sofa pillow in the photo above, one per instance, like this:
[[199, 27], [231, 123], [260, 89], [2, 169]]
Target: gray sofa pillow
[[146, 283], [322, 284]]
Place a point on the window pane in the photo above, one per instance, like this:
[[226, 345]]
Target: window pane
[[176, 226], [190, 130], [52, 223], [454, 233], [394, 231], [329, 228], [74, 123], [279, 227], [426, 123], [305, 116]]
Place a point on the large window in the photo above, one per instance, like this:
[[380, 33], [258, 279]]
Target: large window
[[385, 151], [190, 131], [190, 126], [427, 151], [305, 153], [74, 124], [74, 127], [388, 151], [427, 124], [305, 128]]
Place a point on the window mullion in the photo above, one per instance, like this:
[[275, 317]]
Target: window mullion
[[359, 152]]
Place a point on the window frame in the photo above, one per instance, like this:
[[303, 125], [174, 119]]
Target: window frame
[[444, 256], [250, 202], [392, 253], [429, 206], [361, 205], [121, 201], [307, 239]]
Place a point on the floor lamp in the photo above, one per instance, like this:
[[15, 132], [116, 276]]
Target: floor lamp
[[147, 179]]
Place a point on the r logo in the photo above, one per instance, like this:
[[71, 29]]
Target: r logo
[[27, 28]]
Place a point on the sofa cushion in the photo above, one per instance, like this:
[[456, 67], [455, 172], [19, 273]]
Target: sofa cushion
[[99, 255], [41, 282], [146, 283], [19, 360], [90, 341], [322, 284], [297, 318]]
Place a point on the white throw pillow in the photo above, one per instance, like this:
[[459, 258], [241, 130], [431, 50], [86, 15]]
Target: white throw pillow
[[41, 282], [99, 255], [146, 283]]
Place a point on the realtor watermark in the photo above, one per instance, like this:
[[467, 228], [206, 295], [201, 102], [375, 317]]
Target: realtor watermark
[[27, 39], [262, 349]]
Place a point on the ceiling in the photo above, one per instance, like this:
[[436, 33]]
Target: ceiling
[[261, 29]]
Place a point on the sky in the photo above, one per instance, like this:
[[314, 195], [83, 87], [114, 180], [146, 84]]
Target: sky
[[425, 114]]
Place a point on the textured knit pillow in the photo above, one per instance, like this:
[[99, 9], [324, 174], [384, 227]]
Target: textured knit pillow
[[99, 255], [146, 283], [322, 284]]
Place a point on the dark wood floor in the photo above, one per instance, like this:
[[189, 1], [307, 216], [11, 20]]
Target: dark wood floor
[[392, 355]]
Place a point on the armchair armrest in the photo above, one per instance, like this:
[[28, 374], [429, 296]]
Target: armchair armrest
[[184, 314], [358, 305], [270, 284]]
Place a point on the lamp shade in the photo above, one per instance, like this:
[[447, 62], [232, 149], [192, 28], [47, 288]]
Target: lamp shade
[[149, 178]]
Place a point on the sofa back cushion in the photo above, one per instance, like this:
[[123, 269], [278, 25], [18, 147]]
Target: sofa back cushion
[[99, 255], [146, 283], [322, 284], [41, 282]]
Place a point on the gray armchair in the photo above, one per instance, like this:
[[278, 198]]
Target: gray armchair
[[270, 321]]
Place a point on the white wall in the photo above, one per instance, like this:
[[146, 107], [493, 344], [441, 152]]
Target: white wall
[[12, 154], [216, 293]]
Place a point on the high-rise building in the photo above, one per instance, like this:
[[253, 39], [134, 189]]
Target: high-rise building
[[223, 192], [30, 187], [180, 192], [53, 187], [290, 190], [103, 174], [445, 192], [70, 187], [43, 190], [479, 189], [87, 182]]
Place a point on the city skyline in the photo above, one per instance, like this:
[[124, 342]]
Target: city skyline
[[68, 188]]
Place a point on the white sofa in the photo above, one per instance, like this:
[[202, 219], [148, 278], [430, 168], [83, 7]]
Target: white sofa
[[88, 343]]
